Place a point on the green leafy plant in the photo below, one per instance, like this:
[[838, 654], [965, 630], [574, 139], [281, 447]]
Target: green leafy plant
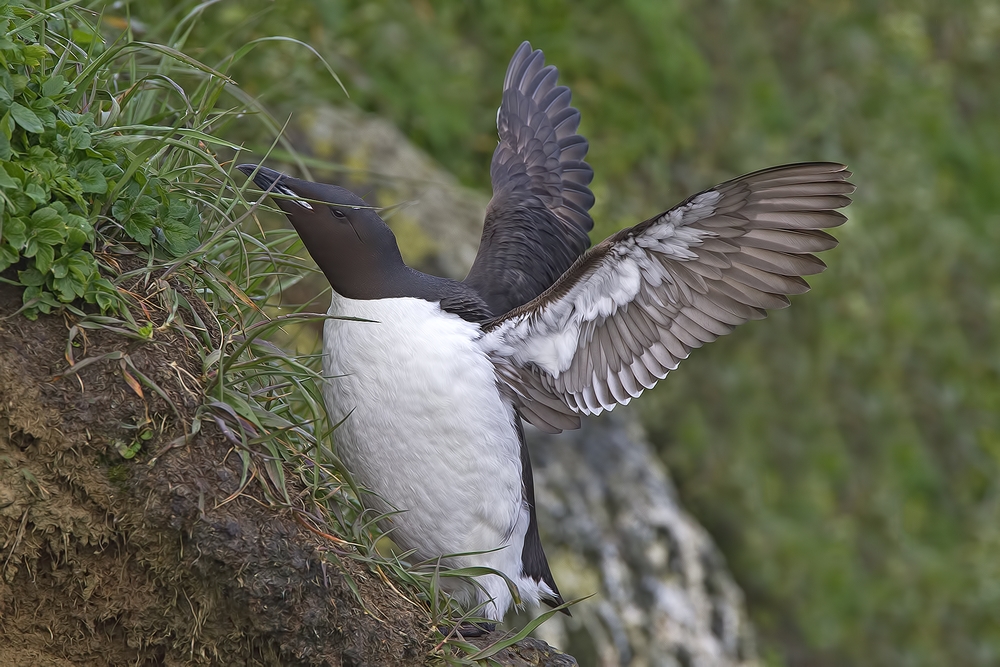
[[66, 186]]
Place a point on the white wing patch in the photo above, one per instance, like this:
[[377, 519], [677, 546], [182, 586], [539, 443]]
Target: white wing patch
[[636, 305], [671, 236]]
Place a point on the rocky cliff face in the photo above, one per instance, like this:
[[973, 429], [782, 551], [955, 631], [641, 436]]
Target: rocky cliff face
[[608, 513], [614, 529]]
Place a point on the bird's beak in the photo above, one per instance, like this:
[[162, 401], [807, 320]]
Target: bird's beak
[[265, 179], [273, 181]]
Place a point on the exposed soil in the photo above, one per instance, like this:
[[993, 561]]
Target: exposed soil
[[108, 561]]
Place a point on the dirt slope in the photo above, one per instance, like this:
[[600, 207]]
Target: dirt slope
[[111, 561]]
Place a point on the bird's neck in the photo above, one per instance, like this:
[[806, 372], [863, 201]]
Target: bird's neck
[[368, 278]]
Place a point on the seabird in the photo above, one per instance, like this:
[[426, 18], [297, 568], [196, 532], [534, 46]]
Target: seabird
[[434, 382]]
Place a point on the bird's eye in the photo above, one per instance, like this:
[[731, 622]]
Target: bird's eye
[[337, 213]]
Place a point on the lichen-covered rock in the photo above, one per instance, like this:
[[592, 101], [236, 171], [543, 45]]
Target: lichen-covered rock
[[612, 526]]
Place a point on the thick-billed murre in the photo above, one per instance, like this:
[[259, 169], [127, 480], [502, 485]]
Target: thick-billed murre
[[432, 387]]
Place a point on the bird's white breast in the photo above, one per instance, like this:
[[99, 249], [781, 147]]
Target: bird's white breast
[[425, 427]]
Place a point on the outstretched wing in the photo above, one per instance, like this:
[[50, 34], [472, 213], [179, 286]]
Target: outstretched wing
[[633, 307], [537, 222]]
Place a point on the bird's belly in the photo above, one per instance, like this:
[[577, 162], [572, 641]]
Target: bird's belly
[[424, 426]]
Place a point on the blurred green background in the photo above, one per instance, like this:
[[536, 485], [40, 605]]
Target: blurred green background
[[844, 453]]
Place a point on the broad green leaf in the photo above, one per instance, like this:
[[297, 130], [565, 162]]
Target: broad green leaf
[[34, 54], [46, 301], [31, 277], [79, 138], [103, 293], [60, 208], [53, 86], [15, 232], [41, 158], [82, 37], [6, 181], [137, 216], [91, 177], [74, 119], [26, 118], [44, 257], [70, 187], [7, 256], [48, 237], [37, 193], [18, 82], [47, 118], [146, 204], [180, 223], [82, 265], [7, 125], [14, 170], [20, 202], [140, 227], [111, 170], [75, 238], [46, 218], [77, 224], [7, 84], [60, 267], [120, 209], [69, 288]]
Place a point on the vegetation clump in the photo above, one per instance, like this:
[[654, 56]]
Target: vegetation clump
[[70, 187]]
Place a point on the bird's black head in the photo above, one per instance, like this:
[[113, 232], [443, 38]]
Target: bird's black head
[[349, 241]]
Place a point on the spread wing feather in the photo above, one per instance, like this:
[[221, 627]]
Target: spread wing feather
[[626, 313], [537, 222]]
